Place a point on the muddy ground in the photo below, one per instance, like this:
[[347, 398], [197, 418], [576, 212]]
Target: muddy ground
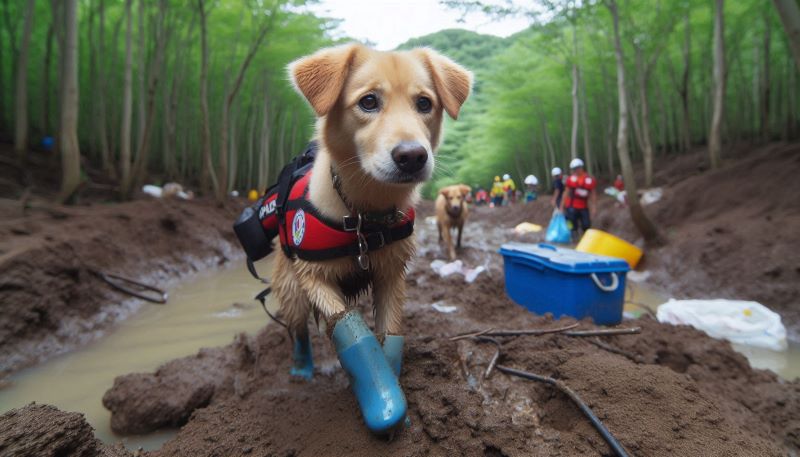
[[51, 301], [673, 392]]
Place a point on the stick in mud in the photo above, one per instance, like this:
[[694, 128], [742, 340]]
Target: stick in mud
[[615, 446], [605, 332], [605, 346]]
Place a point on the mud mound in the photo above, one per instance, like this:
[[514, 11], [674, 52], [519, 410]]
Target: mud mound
[[39, 430], [687, 395], [51, 300]]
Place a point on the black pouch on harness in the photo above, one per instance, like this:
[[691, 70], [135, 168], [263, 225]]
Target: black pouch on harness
[[257, 225]]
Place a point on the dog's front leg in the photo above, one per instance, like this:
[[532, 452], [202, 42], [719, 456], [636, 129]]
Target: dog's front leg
[[372, 379], [389, 296]]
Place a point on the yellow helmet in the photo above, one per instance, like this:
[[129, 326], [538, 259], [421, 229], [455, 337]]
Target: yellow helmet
[[497, 178]]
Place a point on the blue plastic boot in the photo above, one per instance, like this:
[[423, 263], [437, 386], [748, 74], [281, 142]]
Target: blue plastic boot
[[303, 361], [372, 378], [393, 350]]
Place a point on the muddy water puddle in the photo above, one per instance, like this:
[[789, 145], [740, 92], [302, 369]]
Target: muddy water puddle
[[205, 311]]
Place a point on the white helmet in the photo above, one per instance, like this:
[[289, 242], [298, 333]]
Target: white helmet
[[531, 180], [506, 176], [576, 163], [556, 171]]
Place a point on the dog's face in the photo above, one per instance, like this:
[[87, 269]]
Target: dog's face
[[382, 111], [455, 196]]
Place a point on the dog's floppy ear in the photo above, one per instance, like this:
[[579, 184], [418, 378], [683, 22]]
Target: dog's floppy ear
[[452, 81], [465, 190], [320, 77], [444, 191]]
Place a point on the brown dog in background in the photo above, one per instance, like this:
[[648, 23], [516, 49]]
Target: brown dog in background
[[379, 124], [451, 213]]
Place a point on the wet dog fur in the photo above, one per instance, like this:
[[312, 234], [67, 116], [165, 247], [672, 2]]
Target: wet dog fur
[[358, 144], [451, 213]]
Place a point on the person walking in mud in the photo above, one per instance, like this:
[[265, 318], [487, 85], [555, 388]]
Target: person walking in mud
[[580, 201], [497, 192], [558, 187]]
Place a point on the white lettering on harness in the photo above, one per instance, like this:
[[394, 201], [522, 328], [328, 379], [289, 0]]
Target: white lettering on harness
[[266, 210], [581, 192]]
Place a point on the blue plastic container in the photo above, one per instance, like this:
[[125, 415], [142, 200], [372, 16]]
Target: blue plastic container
[[548, 279]]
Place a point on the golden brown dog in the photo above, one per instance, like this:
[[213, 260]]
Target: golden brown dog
[[379, 124], [451, 213]]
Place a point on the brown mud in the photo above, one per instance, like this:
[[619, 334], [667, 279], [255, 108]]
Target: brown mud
[[677, 392]]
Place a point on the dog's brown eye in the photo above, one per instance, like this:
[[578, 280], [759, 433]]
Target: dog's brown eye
[[368, 103], [424, 105]]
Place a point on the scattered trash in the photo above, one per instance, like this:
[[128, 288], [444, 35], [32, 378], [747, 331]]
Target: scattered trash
[[438, 306], [616, 194], [557, 230], [169, 190], [445, 269], [527, 227], [741, 322], [639, 276], [651, 196], [431, 220]]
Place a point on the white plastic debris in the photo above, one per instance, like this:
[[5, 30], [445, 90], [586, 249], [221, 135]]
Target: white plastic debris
[[438, 306], [742, 322], [527, 227], [153, 191], [651, 196], [445, 269], [638, 276]]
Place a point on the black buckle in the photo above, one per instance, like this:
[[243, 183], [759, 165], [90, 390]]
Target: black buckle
[[381, 239], [350, 223]]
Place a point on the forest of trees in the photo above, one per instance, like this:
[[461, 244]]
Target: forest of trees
[[157, 90], [196, 90]]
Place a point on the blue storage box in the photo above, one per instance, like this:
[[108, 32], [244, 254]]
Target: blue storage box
[[548, 279]]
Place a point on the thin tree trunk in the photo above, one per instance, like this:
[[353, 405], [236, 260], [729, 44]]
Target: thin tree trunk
[[143, 151], [264, 155], [573, 144], [207, 170], [230, 97], [644, 106], [102, 132], [587, 150], [70, 152], [48, 52], [640, 219], [684, 87], [127, 108], [789, 12], [715, 132], [21, 99], [764, 87], [251, 140], [234, 154], [141, 72]]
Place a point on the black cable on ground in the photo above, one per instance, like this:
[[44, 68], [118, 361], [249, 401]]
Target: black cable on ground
[[616, 447], [117, 282]]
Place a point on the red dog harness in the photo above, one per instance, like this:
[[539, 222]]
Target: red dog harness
[[304, 233]]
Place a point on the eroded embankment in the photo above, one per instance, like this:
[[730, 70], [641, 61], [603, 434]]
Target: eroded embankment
[[51, 301]]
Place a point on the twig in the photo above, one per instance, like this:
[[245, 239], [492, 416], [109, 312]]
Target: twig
[[615, 446], [470, 335], [494, 358], [543, 331], [603, 345], [117, 282], [604, 332]]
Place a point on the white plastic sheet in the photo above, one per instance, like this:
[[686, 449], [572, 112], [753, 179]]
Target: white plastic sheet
[[741, 322], [445, 269]]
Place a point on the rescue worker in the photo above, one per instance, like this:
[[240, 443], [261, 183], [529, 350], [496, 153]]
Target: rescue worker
[[481, 197], [510, 189], [531, 182], [580, 201], [558, 187], [619, 184], [497, 192]]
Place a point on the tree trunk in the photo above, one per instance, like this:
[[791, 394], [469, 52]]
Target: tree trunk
[[127, 108], [715, 132], [231, 96], [102, 131], [764, 86], [21, 99], [264, 156], [207, 170], [573, 144], [143, 150], [141, 72], [70, 152], [644, 106], [640, 219], [587, 150], [684, 87], [789, 12]]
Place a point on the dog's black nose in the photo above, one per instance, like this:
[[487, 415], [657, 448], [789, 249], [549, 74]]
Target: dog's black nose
[[409, 156]]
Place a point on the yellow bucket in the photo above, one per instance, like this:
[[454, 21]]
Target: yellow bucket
[[602, 243]]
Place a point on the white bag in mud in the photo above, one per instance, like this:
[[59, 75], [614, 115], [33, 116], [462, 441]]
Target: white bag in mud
[[742, 322]]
